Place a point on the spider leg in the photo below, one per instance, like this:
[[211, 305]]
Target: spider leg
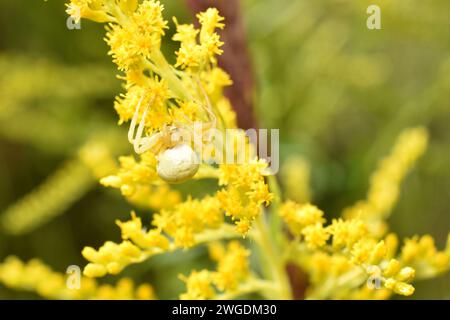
[[140, 130], [208, 107], [147, 143], [133, 121]]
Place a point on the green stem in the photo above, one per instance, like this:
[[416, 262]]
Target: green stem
[[275, 223], [252, 285], [226, 231], [275, 267], [167, 73]]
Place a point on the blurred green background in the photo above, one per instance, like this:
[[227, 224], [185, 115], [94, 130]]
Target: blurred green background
[[339, 92]]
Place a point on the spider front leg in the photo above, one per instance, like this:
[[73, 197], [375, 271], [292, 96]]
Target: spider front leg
[[208, 108], [131, 138], [137, 141], [155, 143]]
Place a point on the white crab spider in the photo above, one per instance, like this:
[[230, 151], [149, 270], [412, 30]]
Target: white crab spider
[[177, 161]]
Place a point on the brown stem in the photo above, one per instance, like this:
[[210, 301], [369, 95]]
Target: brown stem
[[298, 280], [236, 61], [236, 58]]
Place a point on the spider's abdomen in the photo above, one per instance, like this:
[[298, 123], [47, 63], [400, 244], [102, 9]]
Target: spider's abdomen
[[177, 164]]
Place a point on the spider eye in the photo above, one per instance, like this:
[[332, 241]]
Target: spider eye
[[177, 164]]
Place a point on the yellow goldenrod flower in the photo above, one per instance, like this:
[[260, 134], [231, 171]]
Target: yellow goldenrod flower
[[89, 9], [385, 182], [58, 191], [112, 257], [199, 286], [353, 259], [299, 216], [188, 218], [422, 255], [362, 251], [37, 277], [315, 235], [245, 192], [216, 79], [145, 239], [73, 179], [198, 55], [232, 269], [140, 184], [295, 178], [346, 232], [97, 156], [187, 224]]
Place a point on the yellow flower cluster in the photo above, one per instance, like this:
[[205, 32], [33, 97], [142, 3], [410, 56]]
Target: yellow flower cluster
[[343, 258], [67, 184], [385, 182], [232, 265], [300, 217], [198, 51], [137, 35], [246, 191], [96, 156], [232, 270], [58, 191], [187, 224], [350, 260], [295, 177], [421, 254], [92, 10], [140, 184], [189, 218], [159, 114], [137, 246], [134, 36], [35, 276], [199, 286]]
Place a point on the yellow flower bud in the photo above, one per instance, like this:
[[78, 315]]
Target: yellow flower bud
[[129, 250], [392, 268], [403, 288], [90, 254], [145, 292], [94, 270], [114, 267], [406, 274]]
